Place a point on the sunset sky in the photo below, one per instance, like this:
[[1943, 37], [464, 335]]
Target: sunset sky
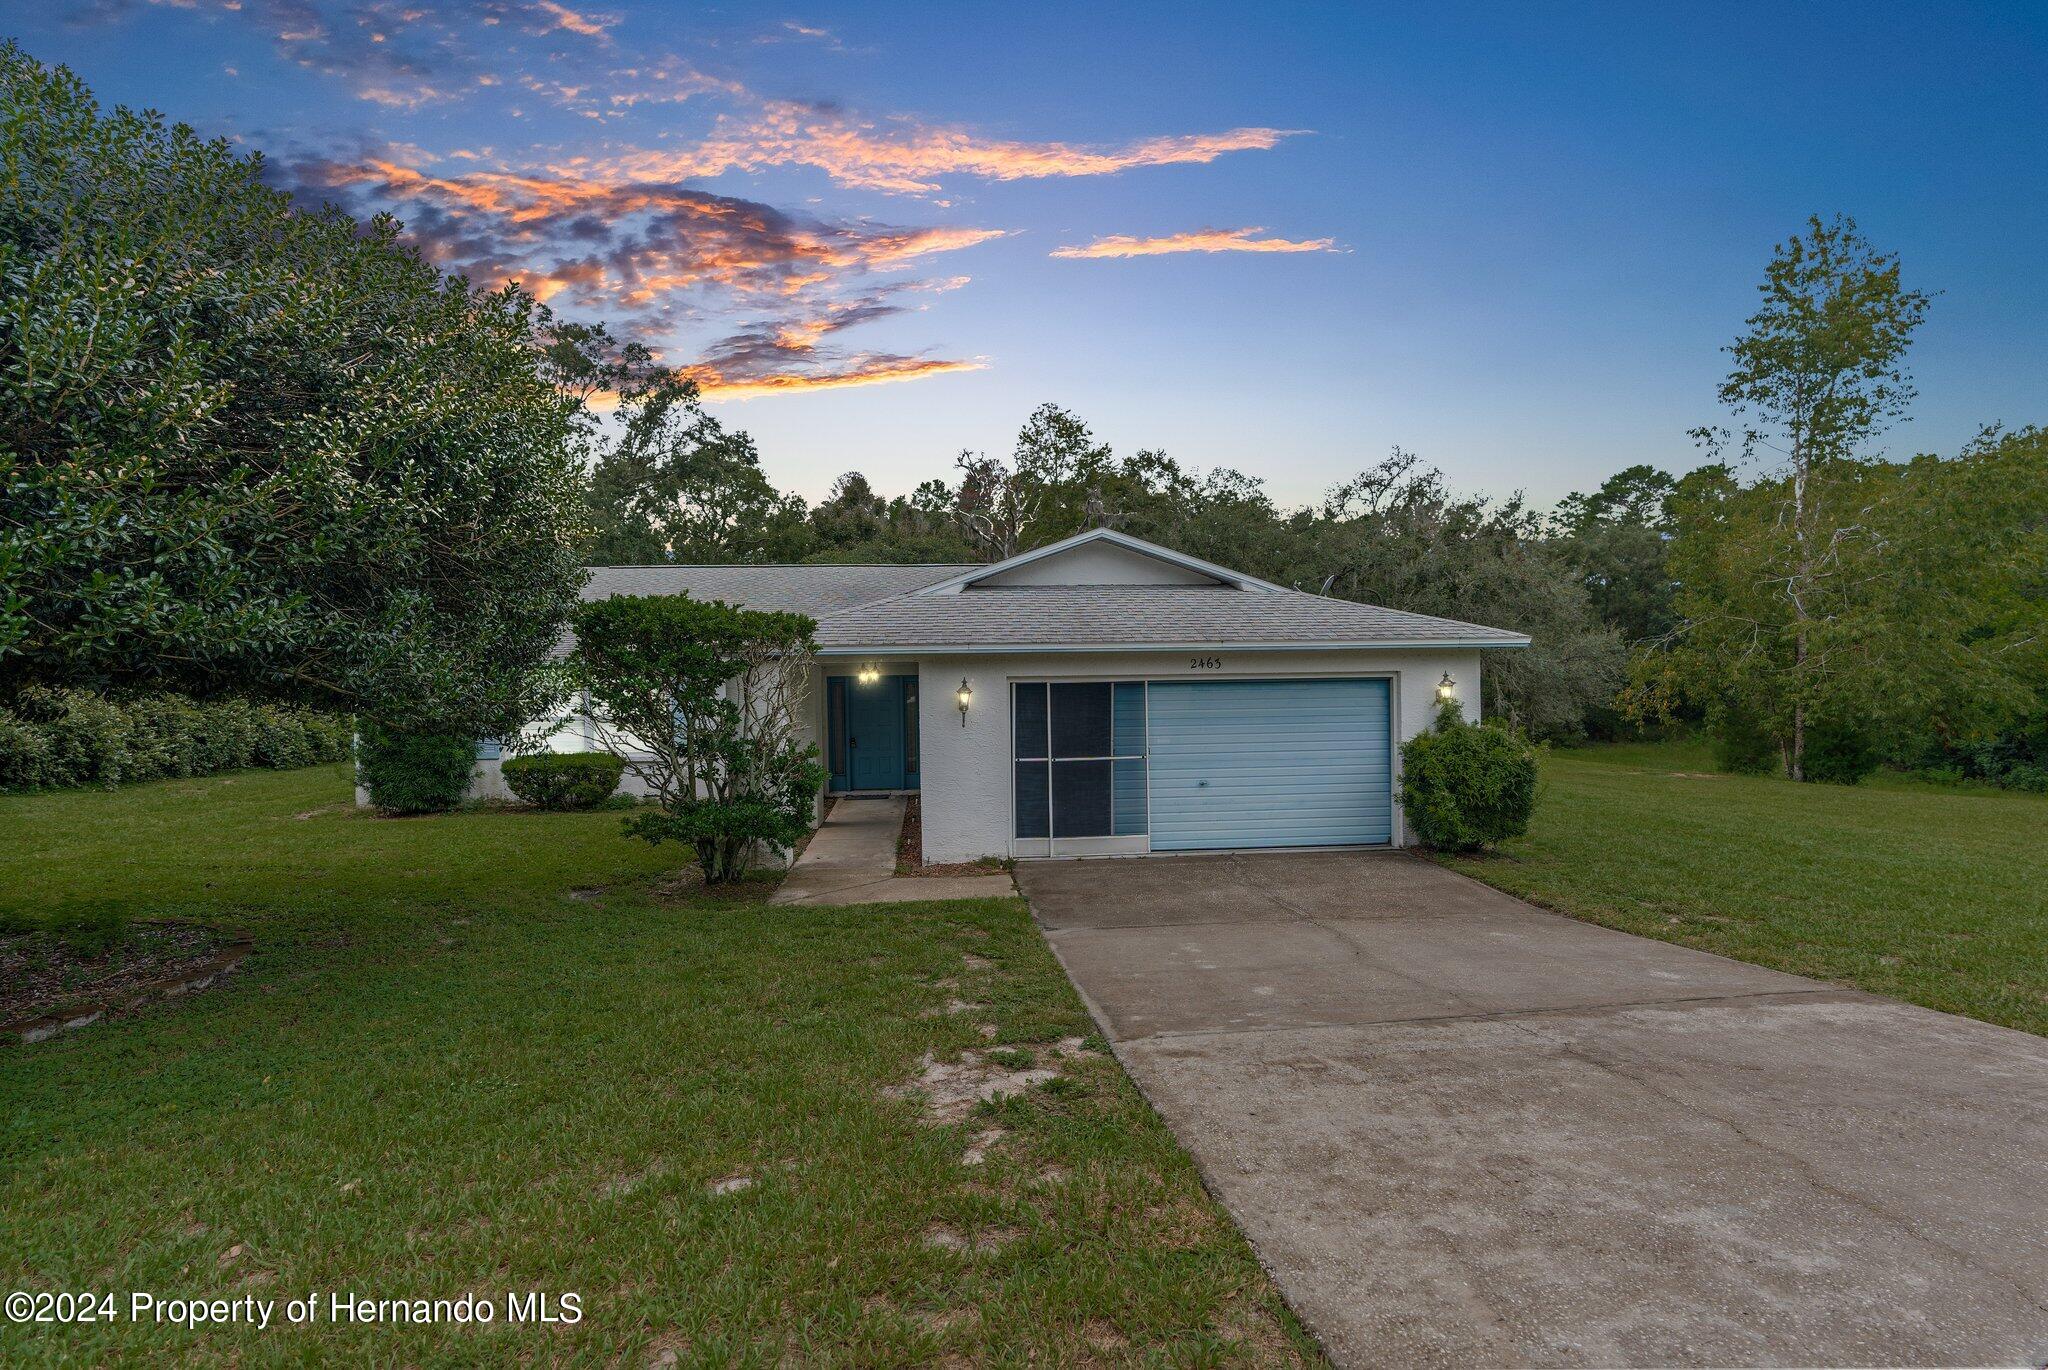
[[1282, 238]]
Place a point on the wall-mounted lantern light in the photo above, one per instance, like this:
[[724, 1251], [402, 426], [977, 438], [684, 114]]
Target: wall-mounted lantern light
[[966, 697], [868, 675], [1446, 689]]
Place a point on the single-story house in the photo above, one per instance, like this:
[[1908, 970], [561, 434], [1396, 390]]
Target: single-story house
[[1103, 695]]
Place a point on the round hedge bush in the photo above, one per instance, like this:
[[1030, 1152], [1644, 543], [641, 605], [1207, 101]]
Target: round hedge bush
[[414, 772], [1467, 787], [564, 780]]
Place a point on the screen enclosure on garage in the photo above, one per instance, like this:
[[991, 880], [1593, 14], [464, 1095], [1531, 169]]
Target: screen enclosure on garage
[[1119, 766]]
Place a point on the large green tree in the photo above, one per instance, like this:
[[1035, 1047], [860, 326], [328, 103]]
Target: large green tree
[[245, 447], [1960, 616], [1779, 576], [1617, 538], [857, 524], [676, 485]]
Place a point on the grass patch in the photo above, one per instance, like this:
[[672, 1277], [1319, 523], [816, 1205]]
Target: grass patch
[[1926, 892], [493, 1052]]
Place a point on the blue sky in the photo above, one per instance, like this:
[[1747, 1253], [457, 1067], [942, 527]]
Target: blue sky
[[1516, 236]]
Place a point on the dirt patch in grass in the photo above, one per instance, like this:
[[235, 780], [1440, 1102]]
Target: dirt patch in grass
[[685, 885], [951, 1089], [945, 1237], [48, 981], [953, 1005], [910, 850], [984, 1141]]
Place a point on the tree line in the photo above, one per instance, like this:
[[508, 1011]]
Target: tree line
[[250, 449]]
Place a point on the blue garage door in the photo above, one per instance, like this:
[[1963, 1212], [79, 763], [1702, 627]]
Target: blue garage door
[[1270, 763]]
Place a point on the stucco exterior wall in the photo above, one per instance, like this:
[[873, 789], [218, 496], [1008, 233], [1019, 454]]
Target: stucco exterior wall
[[966, 774]]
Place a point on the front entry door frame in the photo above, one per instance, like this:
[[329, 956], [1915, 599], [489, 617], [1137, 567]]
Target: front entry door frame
[[872, 743]]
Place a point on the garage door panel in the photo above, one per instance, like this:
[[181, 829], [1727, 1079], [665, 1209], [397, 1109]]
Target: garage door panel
[[1270, 763]]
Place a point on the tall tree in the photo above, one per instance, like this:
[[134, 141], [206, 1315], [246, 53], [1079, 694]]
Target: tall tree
[[1617, 539], [1819, 372], [1042, 494], [856, 524], [247, 448], [678, 486]]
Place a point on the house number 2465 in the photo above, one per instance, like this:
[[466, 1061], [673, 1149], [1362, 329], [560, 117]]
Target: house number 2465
[[1205, 663]]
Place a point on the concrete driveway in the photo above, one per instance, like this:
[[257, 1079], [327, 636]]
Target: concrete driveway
[[1461, 1130]]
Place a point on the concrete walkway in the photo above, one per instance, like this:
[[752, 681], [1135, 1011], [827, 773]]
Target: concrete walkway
[[1463, 1131], [851, 859]]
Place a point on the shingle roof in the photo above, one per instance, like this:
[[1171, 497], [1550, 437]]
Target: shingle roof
[[875, 608], [816, 590], [1054, 616]]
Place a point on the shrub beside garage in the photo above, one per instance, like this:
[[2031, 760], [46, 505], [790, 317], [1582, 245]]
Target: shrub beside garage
[[1464, 787]]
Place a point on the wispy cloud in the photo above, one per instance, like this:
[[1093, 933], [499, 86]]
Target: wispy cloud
[[589, 25], [793, 31], [1201, 240], [905, 155], [402, 54], [860, 369]]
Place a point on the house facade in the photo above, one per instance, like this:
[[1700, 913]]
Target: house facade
[[1103, 696]]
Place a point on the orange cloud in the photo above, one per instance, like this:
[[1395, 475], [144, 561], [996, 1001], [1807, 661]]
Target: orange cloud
[[860, 371], [669, 259], [1201, 240], [540, 228], [590, 26], [907, 157]]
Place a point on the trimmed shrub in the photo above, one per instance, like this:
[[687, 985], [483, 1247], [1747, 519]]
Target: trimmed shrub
[[564, 780], [414, 772], [1743, 746], [57, 739], [1466, 787], [24, 754], [1839, 753]]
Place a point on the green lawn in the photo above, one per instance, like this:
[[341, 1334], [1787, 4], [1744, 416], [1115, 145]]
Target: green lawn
[[440, 1073], [1932, 894]]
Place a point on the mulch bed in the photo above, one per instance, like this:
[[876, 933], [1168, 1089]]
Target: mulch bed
[[47, 982], [910, 850]]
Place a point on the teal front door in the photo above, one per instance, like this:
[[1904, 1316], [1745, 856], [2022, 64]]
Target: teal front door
[[874, 734]]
